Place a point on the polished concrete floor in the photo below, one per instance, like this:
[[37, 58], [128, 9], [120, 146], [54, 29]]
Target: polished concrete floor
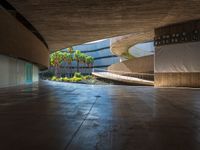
[[62, 116]]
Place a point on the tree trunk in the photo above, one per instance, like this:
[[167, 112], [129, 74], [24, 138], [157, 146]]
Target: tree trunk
[[55, 71], [85, 69], [77, 69], [70, 70], [67, 71]]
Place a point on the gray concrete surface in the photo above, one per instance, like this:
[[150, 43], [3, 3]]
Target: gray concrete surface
[[64, 23], [62, 116]]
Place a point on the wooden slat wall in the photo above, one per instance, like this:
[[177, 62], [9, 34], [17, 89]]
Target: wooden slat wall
[[177, 79]]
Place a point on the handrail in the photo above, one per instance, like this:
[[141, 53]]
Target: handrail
[[145, 76], [121, 78], [122, 72]]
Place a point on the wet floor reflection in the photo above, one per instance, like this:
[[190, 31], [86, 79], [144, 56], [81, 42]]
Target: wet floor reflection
[[52, 115]]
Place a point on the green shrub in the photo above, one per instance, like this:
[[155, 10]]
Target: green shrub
[[75, 79], [77, 75], [87, 77], [65, 79], [60, 79], [54, 78]]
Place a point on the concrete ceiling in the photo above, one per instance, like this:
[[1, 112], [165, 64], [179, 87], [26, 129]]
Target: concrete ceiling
[[121, 44], [64, 23]]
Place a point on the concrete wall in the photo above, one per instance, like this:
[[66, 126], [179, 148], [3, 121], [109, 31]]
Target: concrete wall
[[139, 65], [13, 71], [178, 65], [35, 73], [18, 41], [19, 47], [177, 55]]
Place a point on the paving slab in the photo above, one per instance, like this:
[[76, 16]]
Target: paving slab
[[67, 116]]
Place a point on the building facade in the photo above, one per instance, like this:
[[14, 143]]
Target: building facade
[[101, 53]]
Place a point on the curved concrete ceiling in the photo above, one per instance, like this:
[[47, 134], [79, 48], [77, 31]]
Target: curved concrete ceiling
[[142, 49], [64, 23], [120, 45]]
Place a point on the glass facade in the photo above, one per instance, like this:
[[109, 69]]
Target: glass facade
[[101, 53]]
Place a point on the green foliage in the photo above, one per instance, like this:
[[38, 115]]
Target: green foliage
[[70, 50], [65, 79], [56, 58], [77, 75], [75, 79], [82, 58], [67, 57], [64, 56], [60, 79], [89, 61], [87, 77], [54, 78], [77, 55]]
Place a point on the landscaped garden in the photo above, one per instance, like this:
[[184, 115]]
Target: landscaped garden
[[76, 78], [71, 66], [82, 60]]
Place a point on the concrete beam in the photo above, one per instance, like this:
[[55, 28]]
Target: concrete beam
[[17, 41], [65, 23]]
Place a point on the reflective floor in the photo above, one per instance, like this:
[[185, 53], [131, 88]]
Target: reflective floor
[[62, 116]]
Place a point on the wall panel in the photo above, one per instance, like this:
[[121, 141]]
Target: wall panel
[[17, 41]]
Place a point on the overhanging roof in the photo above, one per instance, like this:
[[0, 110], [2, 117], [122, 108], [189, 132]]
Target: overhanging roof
[[64, 23]]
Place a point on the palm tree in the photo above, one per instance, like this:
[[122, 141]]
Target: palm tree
[[70, 50], [69, 61], [77, 58], [82, 60], [55, 61], [67, 57], [89, 61]]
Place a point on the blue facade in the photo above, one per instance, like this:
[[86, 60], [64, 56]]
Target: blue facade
[[101, 53]]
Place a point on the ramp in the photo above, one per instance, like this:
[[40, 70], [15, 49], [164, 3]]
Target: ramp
[[121, 78]]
